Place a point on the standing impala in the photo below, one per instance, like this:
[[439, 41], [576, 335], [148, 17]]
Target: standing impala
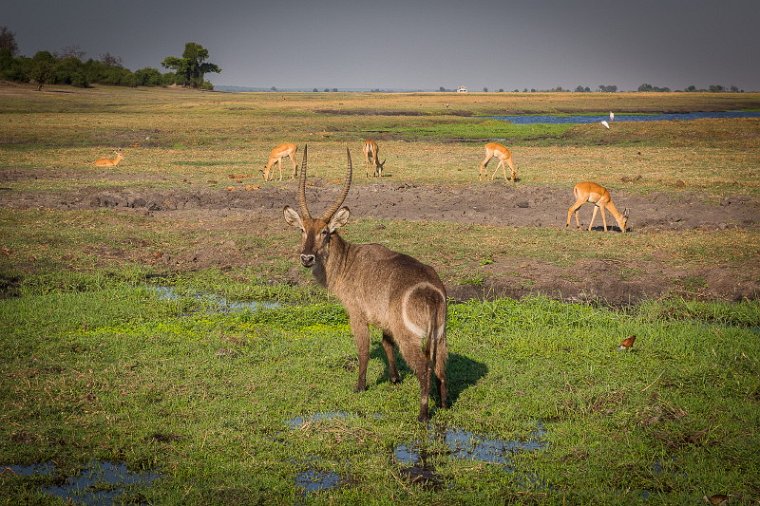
[[494, 149], [276, 155], [371, 151], [601, 198], [379, 287]]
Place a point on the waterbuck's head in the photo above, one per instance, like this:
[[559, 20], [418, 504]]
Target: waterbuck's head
[[317, 232]]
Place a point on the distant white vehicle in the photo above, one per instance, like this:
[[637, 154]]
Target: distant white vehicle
[[612, 116], [462, 89], [605, 124]]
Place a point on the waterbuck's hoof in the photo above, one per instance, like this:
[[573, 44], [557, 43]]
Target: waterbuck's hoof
[[395, 380], [424, 417], [360, 388]]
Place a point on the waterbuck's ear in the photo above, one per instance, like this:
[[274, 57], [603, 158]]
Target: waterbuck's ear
[[338, 219], [292, 218]]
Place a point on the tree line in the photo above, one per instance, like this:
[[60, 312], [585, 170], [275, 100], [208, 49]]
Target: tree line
[[69, 67], [612, 88]]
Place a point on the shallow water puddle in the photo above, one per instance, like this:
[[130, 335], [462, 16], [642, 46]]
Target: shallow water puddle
[[300, 421], [101, 482], [414, 466], [44, 469], [312, 480], [225, 305], [462, 444]]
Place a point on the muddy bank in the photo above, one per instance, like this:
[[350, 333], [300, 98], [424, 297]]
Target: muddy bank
[[603, 281], [503, 205]]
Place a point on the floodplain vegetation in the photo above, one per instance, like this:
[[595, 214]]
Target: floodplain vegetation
[[127, 337]]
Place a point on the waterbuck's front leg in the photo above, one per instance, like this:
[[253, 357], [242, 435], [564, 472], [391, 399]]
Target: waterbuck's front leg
[[388, 347], [361, 335]]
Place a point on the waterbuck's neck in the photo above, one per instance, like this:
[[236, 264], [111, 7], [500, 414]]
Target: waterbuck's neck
[[330, 272]]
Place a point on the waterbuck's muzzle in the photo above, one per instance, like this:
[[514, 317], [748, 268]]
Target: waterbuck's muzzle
[[307, 260]]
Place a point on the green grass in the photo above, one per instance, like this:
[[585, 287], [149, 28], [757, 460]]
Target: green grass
[[110, 372], [95, 365]]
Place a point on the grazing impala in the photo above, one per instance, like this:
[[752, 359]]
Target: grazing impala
[[494, 149], [370, 156], [110, 162], [379, 287], [276, 155], [600, 197]]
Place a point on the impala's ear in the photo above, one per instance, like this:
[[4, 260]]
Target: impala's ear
[[339, 219], [292, 218], [625, 212]]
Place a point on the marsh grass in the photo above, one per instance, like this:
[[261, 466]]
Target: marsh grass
[[112, 372], [97, 365], [44, 243]]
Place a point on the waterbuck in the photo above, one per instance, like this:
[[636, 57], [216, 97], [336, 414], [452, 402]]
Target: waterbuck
[[392, 291]]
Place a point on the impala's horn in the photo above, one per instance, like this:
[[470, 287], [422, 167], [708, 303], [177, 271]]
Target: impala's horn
[[346, 186], [302, 186]]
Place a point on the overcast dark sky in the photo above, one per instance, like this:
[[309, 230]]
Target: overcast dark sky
[[407, 44]]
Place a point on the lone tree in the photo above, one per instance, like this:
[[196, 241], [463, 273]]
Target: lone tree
[[191, 68], [42, 68]]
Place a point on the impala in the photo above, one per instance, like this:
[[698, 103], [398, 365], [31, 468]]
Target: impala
[[371, 150], [276, 156], [601, 198], [494, 149], [110, 162], [403, 297]]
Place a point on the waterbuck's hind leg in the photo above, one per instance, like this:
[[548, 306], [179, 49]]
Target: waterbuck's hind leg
[[423, 374], [389, 352], [361, 335], [440, 372]]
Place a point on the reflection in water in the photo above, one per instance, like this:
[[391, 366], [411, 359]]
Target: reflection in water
[[466, 445], [313, 481], [462, 444], [225, 306], [101, 482], [44, 469]]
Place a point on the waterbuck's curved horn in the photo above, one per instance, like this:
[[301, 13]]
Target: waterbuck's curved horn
[[302, 186], [346, 186]]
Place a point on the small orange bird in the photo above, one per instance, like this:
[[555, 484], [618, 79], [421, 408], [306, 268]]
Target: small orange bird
[[716, 500], [627, 343]]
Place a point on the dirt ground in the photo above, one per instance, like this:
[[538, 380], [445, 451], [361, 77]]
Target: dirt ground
[[487, 204]]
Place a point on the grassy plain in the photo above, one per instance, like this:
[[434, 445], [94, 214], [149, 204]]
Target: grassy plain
[[240, 406]]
